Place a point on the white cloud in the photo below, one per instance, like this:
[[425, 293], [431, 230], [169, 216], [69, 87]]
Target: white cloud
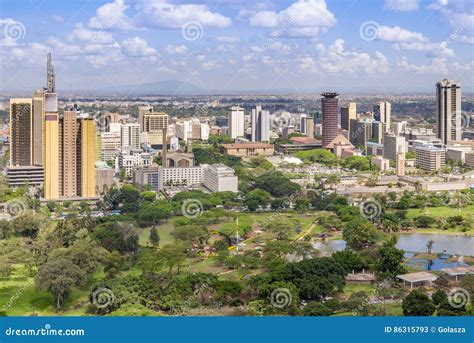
[[176, 49], [402, 5], [138, 47], [436, 66], [84, 34], [398, 34], [460, 16], [57, 18], [432, 49], [164, 14], [111, 16], [305, 18], [228, 39], [336, 59]]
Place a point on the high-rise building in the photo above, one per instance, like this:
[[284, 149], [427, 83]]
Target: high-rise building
[[142, 110], [400, 164], [310, 127], [329, 109], [38, 128], [21, 132], [429, 157], [151, 126], [154, 122], [76, 156], [130, 135], [236, 121], [448, 111], [51, 147], [377, 132], [393, 145], [347, 113], [86, 158], [260, 125], [361, 132], [303, 118], [382, 113]]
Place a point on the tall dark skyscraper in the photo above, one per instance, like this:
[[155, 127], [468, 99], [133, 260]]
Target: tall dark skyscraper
[[329, 108]]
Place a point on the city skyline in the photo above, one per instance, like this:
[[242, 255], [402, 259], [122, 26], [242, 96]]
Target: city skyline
[[297, 46]]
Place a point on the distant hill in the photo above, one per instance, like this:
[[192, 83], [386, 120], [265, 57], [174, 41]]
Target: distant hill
[[169, 87]]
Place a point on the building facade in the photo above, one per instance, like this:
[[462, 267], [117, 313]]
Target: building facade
[[329, 104], [260, 122], [448, 111], [236, 122]]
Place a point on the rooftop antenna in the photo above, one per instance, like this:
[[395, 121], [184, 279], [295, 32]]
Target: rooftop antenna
[[50, 77]]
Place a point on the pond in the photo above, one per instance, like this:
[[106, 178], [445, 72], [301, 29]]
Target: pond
[[416, 242]]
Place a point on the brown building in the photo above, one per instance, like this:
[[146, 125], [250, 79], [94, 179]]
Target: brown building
[[249, 149], [329, 114], [76, 158], [21, 133]]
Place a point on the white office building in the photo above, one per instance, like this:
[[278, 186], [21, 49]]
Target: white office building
[[130, 136], [448, 111], [219, 178], [236, 122], [260, 125], [382, 113]]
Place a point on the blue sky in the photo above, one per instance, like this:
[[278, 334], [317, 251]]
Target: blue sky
[[345, 45]]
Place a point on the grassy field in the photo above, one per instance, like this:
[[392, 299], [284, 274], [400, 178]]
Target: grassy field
[[164, 231], [442, 212]]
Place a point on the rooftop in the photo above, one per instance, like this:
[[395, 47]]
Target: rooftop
[[459, 270], [253, 145], [417, 277]]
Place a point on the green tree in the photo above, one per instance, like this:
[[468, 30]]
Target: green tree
[[418, 303], [439, 297], [154, 237], [58, 276], [390, 262], [314, 308], [359, 233], [349, 260], [257, 198]]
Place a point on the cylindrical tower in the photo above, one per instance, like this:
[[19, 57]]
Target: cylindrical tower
[[329, 109]]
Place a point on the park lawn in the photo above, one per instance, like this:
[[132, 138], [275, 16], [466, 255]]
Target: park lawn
[[164, 231], [25, 299], [392, 310], [441, 212], [207, 265], [352, 288]]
